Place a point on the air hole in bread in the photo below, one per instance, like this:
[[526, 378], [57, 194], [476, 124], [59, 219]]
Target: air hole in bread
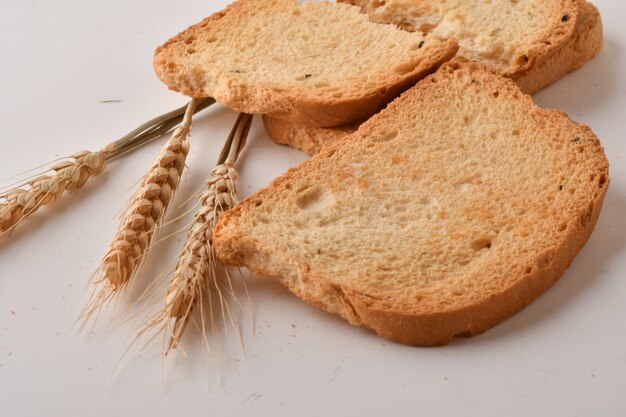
[[481, 244], [496, 94], [303, 188], [528, 270], [211, 39], [586, 216], [544, 260], [387, 136], [314, 198], [462, 188], [516, 132], [563, 227], [258, 203], [602, 181]]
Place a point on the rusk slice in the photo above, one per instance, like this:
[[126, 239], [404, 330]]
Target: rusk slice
[[585, 43], [451, 210], [317, 64]]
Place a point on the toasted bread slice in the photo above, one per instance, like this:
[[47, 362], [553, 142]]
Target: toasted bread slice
[[585, 44], [318, 64], [451, 210]]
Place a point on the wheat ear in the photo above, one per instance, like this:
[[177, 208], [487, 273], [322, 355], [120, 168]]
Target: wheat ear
[[142, 217], [25, 198], [20, 202], [195, 276]]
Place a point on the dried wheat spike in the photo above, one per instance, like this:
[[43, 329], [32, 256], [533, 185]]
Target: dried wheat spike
[[144, 213], [20, 202], [195, 271], [195, 281]]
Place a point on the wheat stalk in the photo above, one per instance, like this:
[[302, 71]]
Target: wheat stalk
[[142, 217], [195, 277], [24, 198]]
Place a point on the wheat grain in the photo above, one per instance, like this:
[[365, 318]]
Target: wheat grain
[[195, 278], [69, 175], [194, 274], [142, 217]]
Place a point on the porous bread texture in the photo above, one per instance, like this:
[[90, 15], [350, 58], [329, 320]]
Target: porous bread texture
[[509, 36], [318, 64], [451, 210], [586, 43]]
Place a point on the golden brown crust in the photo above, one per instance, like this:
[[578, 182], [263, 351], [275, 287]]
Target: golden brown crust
[[286, 103], [402, 321]]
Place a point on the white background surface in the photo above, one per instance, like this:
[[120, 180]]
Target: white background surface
[[564, 355]]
